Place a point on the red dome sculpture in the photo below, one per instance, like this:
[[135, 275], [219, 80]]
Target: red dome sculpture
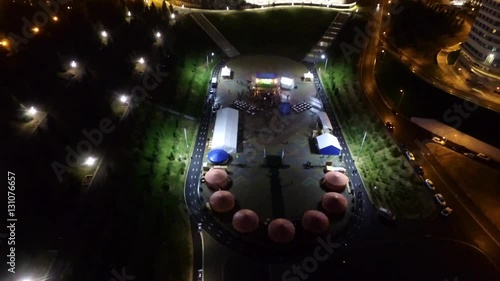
[[222, 201], [335, 181], [217, 179], [281, 231], [315, 222], [334, 203], [245, 221]]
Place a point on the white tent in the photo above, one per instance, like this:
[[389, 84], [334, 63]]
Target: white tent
[[226, 72], [325, 121], [286, 83], [308, 76], [226, 130], [328, 144]]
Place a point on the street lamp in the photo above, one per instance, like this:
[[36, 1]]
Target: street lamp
[[212, 54], [55, 18], [323, 57], [104, 34], [90, 161], [4, 43], [141, 60], [401, 99], [73, 64], [35, 30], [123, 99], [158, 35], [32, 111], [172, 16], [129, 14]]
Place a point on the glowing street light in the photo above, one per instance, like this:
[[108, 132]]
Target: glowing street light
[[158, 35], [73, 64], [35, 29], [227, 8], [323, 57], [123, 98], [32, 111], [172, 16], [129, 14], [104, 34], [401, 99], [141, 60], [4, 43], [90, 161]]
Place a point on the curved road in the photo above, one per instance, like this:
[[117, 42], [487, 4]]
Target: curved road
[[469, 223]]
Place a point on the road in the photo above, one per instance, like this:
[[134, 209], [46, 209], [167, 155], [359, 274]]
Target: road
[[467, 223]]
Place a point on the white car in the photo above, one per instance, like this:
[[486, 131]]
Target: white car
[[429, 184], [440, 199], [438, 140], [386, 214], [200, 274], [410, 156], [446, 211], [199, 227], [483, 156]]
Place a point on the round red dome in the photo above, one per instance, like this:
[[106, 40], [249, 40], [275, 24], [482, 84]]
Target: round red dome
[[334, 203], [335, 181], [245, 221], [217, 179], [315, 222], [222, 201], [281, 230]]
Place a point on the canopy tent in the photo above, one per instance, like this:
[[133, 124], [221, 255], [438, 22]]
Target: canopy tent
[[218, 156], [325, 121], [226, 130], [328, 144], [226, 72], [245, 220], [315, 222], [308, 76], [285, 108], [286, 83]]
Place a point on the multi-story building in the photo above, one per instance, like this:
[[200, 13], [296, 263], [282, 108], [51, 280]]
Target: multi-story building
[[480, 53]]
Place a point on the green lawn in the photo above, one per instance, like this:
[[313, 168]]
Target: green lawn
[[380, 163], [185, 89], [287, 32]]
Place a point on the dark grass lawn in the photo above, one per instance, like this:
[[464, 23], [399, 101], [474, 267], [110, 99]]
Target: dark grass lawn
[[423, 100], [286, 32]]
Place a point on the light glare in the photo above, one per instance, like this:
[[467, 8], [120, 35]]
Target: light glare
[[90, 161], [32, 111], [142, 61], [123, 99]]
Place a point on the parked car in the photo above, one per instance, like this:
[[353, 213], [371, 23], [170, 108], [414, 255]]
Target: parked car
[[458, 148], [440, 199], [386, 214], [439, 140], [429, 184], [200, 274], [410, 156], [389, 126], [199, 227], [446, 211], [470, 155], [483, 156], [419, 170], [403, 146]]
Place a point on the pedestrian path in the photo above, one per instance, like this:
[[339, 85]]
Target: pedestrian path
[[327, 39], [218, 38]]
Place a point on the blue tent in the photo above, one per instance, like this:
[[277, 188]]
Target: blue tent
[[328, 145], [218, 156], [285, 108]]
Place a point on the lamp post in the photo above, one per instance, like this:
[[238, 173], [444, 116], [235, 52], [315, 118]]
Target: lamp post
[[323, 57], [400, 99], [207, 59], [361, 148]]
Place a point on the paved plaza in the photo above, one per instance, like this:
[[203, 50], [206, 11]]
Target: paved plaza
[[288, 191]]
